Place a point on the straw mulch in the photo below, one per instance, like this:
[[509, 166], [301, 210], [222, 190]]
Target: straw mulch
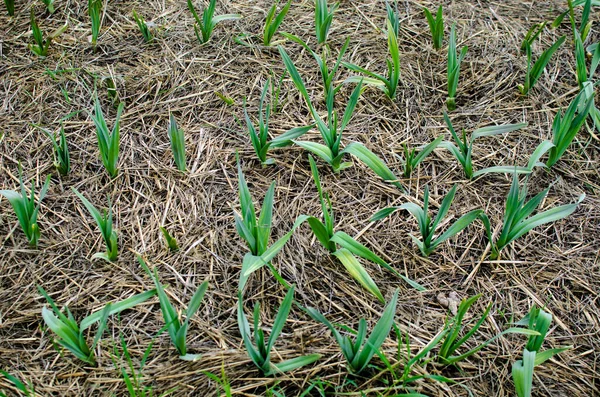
[[555, 265]]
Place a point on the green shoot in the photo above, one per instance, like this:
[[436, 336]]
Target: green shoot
[[105, 224], [143, 26], [26, 208], [374, 163], [222, 381], [273, 21], [177, 329], [436, 26], [566, 126], [177, 138], [327, 74], [108, 142], [534, 161], [522, 371], [95, 13], [323, 18], [27, 390], [389, 84], [455, 325], [532, 34], [49, 5], [260, 139], [517, 220], [72, 335], [454, 61], [535, 72], [40, 48], [393, 15], [428, 243], [171, 242], [331, 132], [413, 159], [359, 352], [62, 160], [204, 26], [10, 7], [227, 99], [463, 149], [260, 354], [257, 231]]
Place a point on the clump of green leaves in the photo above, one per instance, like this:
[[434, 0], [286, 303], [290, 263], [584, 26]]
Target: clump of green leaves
[[95, 13], [177, 329], [260, 353], [105, 224], [204, 26], [257, 232], [532, 34], [143, 26], [566, 126], [72, 335], [454, 61], [40, 48], [25, 207], [389, 83], [436, 26], [324, 232], [177, 138], [171, 242], [323, 18], [108, 142], [517, 216], [455, 326], [331, 132], [326, 74], [260, 139], [62, 160], [359, 352], [274, 20], [463, 149], [535, 72], [428, 243], [10, 7], [539, 321], [412, 158]]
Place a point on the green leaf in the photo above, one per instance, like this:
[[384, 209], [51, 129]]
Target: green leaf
[[371, 160], [357, 271], [118, 307]]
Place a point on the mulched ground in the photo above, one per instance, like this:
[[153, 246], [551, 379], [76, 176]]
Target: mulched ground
[[555, 265]]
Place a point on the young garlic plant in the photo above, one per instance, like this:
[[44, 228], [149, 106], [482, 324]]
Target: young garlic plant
[[71, 333], [177, 139], [143, 26], [108, 141], [463, 149], [428, 243], [539, 321], [456, 326], [453, 70], [260, 139], [256, 232], [26, 209], [177, 329], [104, 221], [260, 352], [359, 352], [436, 26], [204, 26], [323, 18], [517, 216], [534, 72], [62, 159], [273, 21], [389, 83]]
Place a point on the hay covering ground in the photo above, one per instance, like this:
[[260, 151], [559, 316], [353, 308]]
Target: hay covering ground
[[555, 265]]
